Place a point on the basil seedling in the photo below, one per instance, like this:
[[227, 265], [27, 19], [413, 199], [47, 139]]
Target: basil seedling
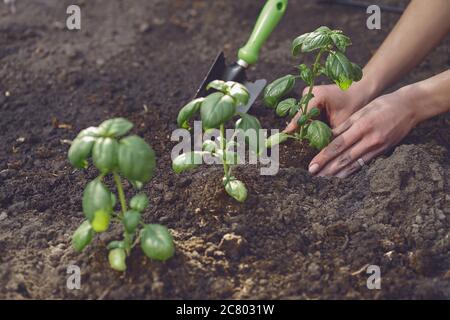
[[215, 110], [128, 157], [337, 67]]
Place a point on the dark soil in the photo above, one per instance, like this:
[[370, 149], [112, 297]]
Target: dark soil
[[296, 236]]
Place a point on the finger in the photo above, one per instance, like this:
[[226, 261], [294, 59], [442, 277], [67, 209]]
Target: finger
[[348, 123], [346, 158], [293, 126], [336, 148], [343, 127], [355, 166]]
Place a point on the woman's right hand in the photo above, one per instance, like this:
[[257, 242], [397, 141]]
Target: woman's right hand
[[337, 105]]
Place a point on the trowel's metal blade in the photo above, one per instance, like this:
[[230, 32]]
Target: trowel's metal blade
[[220, 70], [215, 73], [255, 89]]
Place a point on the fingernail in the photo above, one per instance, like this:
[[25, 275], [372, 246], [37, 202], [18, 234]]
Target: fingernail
[[314, 168]]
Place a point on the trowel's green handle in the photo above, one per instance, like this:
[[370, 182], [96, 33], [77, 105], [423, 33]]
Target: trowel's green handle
[[270, 15]]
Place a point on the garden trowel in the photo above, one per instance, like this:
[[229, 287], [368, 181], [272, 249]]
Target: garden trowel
[[248, 55]]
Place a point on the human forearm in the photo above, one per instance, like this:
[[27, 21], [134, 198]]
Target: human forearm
[[420, 29], [428, 98]]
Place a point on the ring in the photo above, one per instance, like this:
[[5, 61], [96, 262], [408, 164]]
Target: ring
[[361, 162]]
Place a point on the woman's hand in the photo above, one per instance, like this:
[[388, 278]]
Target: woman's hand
[[380, 125], [338, 105]]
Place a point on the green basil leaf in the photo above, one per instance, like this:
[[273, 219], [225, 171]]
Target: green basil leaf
[[306, 74], [321, 70], [187, 161], [248, 123], [157, 242], [209, 146], [302, 120], [238, 92], [216, 109], [116, 127], [113, 200], [340, 40], [314, 112], [116, 258], [357, 72], [294, 111], [298, 43], [136, 159], [104, 154], [218, 85], [341, 70], [82, 237], [276, 139], [139, 202], [285, 107], [80, 150], [306, 99], [131, 220], [188, 111], [137, 184], [96, 197], [100, 222], [275, 91], [116, 245], [318, 134], [89, 132], [323, 29], [237, 190], [318, 39]]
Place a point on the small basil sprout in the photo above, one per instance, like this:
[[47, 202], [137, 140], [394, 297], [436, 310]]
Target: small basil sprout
[[330, 61], [121, 157]]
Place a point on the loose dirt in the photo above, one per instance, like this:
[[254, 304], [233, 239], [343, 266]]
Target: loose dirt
[[296, 236]]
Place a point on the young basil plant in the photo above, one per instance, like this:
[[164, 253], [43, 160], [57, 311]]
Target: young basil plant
[[330, 61], [121, 157], [215, 110]]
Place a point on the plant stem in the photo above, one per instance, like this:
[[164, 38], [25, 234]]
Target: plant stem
[[128, 238], [316, 65], [123, 202], [223, 146], [136, 241]]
